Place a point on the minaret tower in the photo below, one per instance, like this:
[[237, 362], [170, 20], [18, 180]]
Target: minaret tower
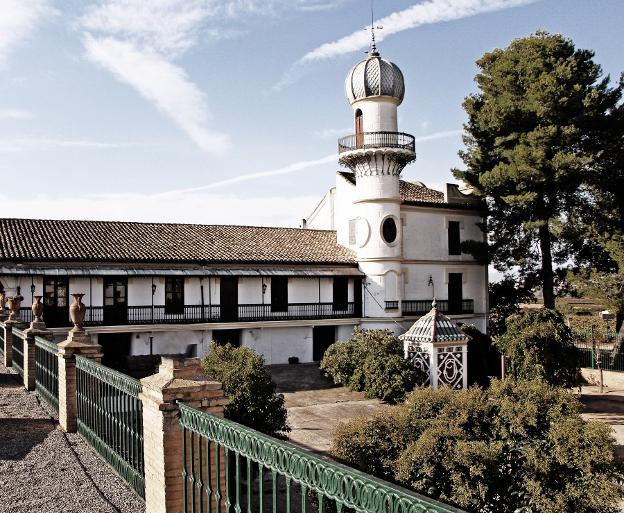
[[377, 153]]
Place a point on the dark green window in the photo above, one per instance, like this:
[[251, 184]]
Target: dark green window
[[454, 241], [279, 294]]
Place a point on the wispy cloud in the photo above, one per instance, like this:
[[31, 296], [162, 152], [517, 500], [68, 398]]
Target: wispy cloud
[[138, 42], [164, 84], [15, 114], [18, 19], [262, 210], [438, 135], [43, 144], [290, 168], [423, 13]]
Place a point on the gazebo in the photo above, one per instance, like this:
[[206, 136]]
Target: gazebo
[[437, 347]]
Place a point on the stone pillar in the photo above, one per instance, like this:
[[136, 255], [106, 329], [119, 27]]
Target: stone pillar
[[178, 379], [77, 343], [36, 329]]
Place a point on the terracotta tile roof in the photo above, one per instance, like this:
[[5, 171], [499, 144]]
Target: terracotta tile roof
[[416, 191], [102, 241], [410, 191]]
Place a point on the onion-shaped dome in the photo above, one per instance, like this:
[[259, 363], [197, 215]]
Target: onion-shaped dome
[[434, 327], [375, 76]]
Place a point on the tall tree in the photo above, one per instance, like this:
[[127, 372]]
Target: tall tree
[[536, 133]]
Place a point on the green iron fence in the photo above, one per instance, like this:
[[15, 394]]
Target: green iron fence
[[599, 349], [2, 341], [18, 351], [228, 468], [110, 417], [46, 370]]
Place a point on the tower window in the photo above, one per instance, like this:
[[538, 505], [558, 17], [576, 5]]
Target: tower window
[[389, 230], [454, 242]]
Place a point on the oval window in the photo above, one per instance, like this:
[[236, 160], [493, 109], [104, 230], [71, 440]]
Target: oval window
[[389, 230]]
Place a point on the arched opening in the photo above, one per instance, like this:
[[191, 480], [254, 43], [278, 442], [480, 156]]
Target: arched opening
[[359, 128]]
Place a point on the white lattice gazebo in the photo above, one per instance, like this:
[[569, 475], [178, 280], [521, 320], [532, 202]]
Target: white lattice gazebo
[[437, 347]]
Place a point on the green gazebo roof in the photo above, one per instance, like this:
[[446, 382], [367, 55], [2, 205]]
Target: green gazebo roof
[[434, 327]]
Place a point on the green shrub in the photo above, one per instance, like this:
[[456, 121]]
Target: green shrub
[[539, 345], [371, 361], [248, 386], [388, 377], [515, 445]]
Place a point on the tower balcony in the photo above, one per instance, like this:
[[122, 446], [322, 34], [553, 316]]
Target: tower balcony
[[360, 152], [377, 140]]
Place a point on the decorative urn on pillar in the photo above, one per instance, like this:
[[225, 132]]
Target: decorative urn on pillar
[[37, 309], [77, 312], [15, 302]]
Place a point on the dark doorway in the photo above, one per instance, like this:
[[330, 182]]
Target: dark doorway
[[357, 297], [229, 298], [116, 349], [223, 337], [455, 293], [115, 300], [341, 293], [56, 301], [322, 338], [279, 294]]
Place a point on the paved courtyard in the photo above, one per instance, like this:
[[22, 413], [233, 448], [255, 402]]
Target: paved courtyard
[[45, 470], [316, 406]]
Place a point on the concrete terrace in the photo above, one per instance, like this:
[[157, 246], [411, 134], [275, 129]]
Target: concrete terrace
[[43, 469]]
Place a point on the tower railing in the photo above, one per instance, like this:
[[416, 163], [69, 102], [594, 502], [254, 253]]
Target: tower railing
[[373, 140]]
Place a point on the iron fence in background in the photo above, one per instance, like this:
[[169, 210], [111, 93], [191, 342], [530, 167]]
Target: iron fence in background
[[46, 371], [2, 342], [110, 418], [18, 351], [599, 350], [229, 468]]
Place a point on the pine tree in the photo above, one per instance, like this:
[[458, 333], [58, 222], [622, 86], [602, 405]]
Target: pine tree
[[535, 138]]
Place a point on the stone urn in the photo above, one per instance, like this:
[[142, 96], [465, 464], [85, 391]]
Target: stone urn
[[15, 303], [37, 309], [77, 312]]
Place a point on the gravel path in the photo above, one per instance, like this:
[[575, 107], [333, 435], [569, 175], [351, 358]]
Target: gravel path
[[43, 469]]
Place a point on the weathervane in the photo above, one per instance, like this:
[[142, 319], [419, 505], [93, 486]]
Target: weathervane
[[373, 45]]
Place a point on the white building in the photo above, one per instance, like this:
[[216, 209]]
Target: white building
[[373, 253]]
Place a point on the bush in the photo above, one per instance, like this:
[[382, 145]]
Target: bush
[[516, 445], [371, 361], [539, 345], [248, 386]]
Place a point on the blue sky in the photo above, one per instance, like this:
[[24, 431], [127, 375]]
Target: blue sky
[[216, 111]]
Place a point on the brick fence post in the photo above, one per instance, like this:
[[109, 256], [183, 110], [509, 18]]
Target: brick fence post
[[77, 343], [178, 379], [36, 329]]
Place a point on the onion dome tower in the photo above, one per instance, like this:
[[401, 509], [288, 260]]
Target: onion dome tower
[[438, 349], [376, 153]]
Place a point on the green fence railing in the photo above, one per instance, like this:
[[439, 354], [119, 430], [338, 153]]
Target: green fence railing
[[18, 351], [110, 417], [46, 370], [229, 468], [2, 341], [609, 360]]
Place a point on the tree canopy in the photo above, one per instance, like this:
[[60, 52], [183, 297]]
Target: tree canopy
[[537, 135]]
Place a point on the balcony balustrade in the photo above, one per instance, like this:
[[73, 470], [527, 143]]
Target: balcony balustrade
[[376, 140], [422, 306], [193, 314]]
